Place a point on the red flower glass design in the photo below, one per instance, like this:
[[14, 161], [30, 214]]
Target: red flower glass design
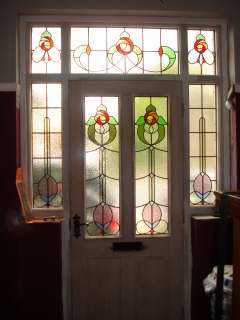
[[104, 124], [200, 52], [102, 117], [125, 48], [46, 51], [151, 117]]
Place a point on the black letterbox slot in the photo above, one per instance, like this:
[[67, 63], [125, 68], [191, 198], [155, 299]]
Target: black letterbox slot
[[127, 246]]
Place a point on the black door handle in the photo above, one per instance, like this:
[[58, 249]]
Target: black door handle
[[77, 225]]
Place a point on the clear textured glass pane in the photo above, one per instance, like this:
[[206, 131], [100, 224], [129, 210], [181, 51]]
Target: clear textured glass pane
[[195, 115], [38, 145], [38, 116], [56, 169], [55, 115], [46, 50], [201, 52], [141, 163], [194, 145], [97, 38], [210, 116], [141, 194], [38, 169], [151, 165], [124, 50], [211, 167], [203, 144], [152, 63], [46, 146], [76, 34], [195, 96], [151, 39], [209, 96], [55, 145], [161, 165], [211, 144], [54, 94], [97, 62], [112, 161], [92, 192], [92, 164], [194, 167], [39, 95], [169, 37], [102, 166], [162, 197]]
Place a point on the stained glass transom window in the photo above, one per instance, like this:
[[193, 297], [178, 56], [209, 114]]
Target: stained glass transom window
[[124, 50], [46, 50], [201, 52], [203, 143], [102, 166], [151, 165], [47, 145]]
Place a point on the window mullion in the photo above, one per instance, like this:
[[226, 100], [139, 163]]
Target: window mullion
[[127, 165]]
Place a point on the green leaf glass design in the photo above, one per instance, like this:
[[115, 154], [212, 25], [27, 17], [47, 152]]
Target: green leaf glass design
[[149, 124]]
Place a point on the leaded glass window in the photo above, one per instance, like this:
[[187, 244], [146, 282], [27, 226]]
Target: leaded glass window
[[203, 143], [124, 50], [46, 50], [151, 165], [201, 52], [152, 50], [102, 166], [47, 145]]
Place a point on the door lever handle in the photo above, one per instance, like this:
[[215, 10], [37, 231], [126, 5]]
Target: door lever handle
[[77, 225]]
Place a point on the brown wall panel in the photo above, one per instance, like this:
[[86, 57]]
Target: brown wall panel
[[30, 264]]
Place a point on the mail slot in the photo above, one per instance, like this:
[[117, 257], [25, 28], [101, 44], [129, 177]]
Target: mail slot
[[127, 246]]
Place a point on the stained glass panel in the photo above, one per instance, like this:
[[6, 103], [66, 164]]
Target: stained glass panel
[[46, 50], [102, 167], [203, 143], [124, 50], [46, 146], [201, 52], [151, 165]]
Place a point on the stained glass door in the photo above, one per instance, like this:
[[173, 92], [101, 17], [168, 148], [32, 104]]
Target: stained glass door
[[126, 198]]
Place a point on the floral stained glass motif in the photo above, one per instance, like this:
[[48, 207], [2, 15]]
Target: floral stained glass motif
[[46, 145], [46, 50], [203, 145], [124, 50], [151, 165], [201, 52], [101, 166]]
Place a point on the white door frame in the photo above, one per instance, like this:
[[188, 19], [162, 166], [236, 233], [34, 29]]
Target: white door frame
[[174, 238]]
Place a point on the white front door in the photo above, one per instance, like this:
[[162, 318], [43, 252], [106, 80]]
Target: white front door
[[126, 185]]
